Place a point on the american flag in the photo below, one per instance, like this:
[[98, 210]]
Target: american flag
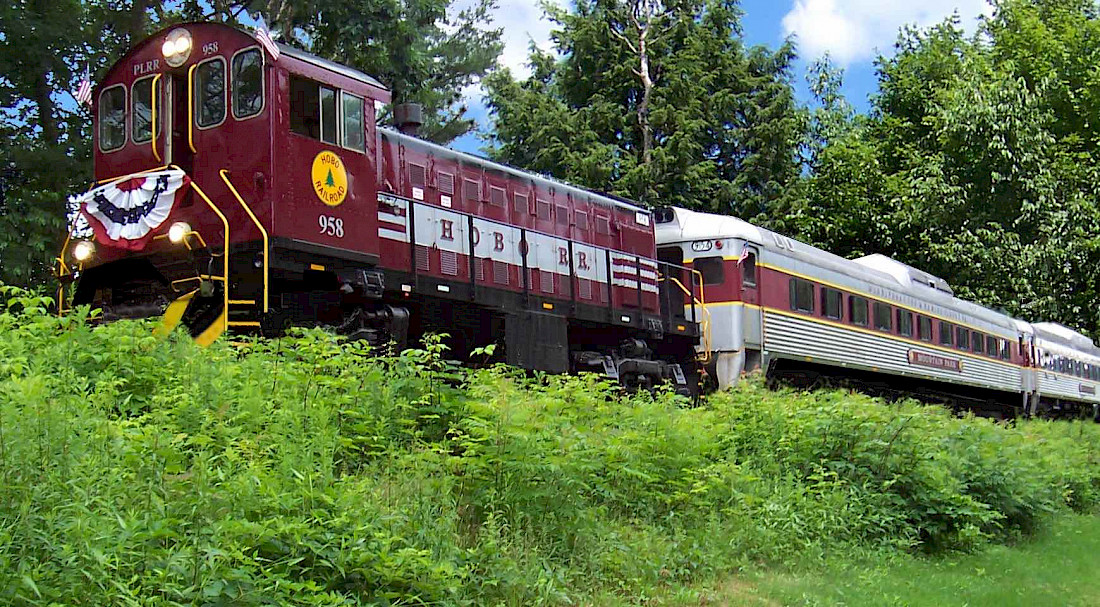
[[264, 37], [83, 94]]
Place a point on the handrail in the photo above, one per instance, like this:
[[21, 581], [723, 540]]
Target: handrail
[[225, 177], [225, 253], [191, 109], [63, 270], [153, 116], [704, 323]]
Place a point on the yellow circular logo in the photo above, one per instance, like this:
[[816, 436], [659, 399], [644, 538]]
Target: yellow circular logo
[[330, 180]]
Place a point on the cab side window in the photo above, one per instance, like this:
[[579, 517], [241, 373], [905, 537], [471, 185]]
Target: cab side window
[[352, 115], [312, 110], [248, 83]]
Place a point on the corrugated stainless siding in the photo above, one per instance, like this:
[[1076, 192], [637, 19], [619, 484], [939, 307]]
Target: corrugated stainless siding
[[800, 337], [1063, 386]]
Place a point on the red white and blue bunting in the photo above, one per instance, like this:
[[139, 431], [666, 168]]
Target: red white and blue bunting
[[125, 214]]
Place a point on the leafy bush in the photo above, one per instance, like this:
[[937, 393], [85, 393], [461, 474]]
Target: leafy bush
[[308, 471]]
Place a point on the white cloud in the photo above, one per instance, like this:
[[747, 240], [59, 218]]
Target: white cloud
[[855, 30], [521, 21]]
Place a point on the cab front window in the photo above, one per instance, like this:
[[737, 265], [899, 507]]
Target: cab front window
[[141, 110], [210, 93], [112, 118]]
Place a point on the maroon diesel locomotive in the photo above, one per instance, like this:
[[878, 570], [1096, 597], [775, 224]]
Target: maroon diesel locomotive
[[248, 186]]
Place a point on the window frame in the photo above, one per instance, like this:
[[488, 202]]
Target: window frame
[[962, 334], [263, 85], [753, 280], [99, 119], [363, 121], [876, 307], [922, 320], [825, 293], [866, 311], [793, 294], [946, 330], [993, 352], [903, 313], [130, 105], [226, 92]]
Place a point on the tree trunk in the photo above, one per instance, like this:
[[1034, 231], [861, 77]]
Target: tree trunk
[[647, 93]]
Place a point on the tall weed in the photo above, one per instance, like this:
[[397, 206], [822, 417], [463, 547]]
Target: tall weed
[[309, 471]]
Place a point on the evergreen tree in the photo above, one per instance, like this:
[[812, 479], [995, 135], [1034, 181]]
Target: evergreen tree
[[657, 101]]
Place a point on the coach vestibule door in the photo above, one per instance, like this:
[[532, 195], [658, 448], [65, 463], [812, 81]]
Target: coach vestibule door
[[177, 149], [750, 291]]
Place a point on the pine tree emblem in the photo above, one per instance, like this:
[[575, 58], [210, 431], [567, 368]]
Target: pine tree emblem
[[329, 181]]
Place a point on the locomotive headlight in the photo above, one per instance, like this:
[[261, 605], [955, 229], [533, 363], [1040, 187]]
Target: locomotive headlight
[[177, 47], [179, 231], [83, 251]]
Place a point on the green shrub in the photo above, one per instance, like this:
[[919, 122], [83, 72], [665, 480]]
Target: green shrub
[[309, 471]]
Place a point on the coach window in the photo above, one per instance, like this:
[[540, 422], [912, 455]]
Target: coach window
[[711, 268], [905, 323], [112, 118], [924, 328], [210, 93], [857, 310], [832, 301], [945, 333], [978, 341], [1006, 349], [141, 109], [748, 268], [802, 295], [352, 107], [248, 84], [882, 317], [991, 346], [962, 338]]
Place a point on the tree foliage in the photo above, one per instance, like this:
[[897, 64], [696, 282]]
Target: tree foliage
[[978, 162], [658, 101], [426, 51]]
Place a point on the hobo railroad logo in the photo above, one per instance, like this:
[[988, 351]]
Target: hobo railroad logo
[[330, 180]]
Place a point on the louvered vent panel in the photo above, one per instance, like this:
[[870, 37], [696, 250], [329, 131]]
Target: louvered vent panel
[[479, 269], [472, 191], [546, 280], [417, 175], [500, 272], [448, 263], [519, 203], [446, 184], [497, 196], [423, 262], [584, 290]]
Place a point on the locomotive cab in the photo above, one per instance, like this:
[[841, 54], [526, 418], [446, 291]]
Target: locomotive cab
[[214, 156]]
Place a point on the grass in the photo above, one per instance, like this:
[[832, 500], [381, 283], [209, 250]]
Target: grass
[[1055, 567]]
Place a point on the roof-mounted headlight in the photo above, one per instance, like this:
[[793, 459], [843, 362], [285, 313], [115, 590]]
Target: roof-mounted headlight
[[177, 47]]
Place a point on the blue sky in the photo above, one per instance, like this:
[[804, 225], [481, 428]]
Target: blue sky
[[852, 32]]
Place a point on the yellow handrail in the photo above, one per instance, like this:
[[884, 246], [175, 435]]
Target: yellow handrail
[[225, 177], [704, 322], [225, 253], [191, 109], [153, 126]]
